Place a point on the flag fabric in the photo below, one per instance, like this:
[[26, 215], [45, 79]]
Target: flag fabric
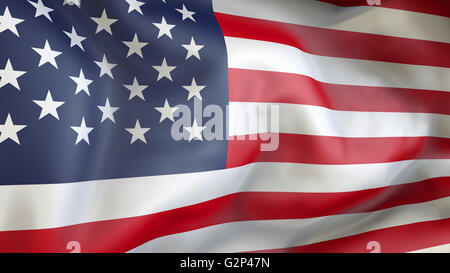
[[118, 126]]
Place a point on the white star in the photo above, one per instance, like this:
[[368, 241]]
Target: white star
[[105, 67], [82, 132], [166, 111], [9, 130], [82, 83], [164, 28], [7, 22], [194, 89], [186, 13], [192, 49], [108, 111], [136, 89], [195, 131], [72, 3], [164, 70], [135, 47], [135, 5], [47, 55], [49, 106], [41, 9], [75, 39], [137, 132], [9, 75], [104, 23]]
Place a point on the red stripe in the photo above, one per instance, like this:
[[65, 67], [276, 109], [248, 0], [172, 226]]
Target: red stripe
[[310, 149], [403, 238], [337, 43], [125, 234], [266, 86], [436, 7]]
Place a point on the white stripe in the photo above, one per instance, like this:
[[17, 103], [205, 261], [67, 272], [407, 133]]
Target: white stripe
[[317, 120], [435, 249], [272, 234], [268, 56], [383, 21], [57, 205]]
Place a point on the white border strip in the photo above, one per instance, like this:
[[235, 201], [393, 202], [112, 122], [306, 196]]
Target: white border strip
[[317, 120], [273, 234], [435, 249], [268, 56], [55, 205], [382, 21]]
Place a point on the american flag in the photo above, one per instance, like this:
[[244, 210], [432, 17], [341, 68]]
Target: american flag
[[92, 93]]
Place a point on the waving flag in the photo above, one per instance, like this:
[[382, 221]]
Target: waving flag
[[224, 126]]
